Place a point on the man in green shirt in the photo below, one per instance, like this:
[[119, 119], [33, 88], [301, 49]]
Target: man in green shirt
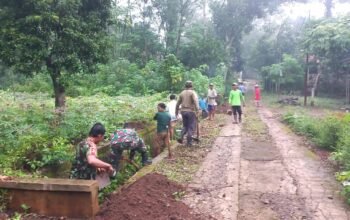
[[163, 123], [236, 99]]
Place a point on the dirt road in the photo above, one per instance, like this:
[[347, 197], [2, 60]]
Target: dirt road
[[261, 170]]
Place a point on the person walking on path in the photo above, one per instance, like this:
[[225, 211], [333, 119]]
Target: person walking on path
[[86, 164], [163, 123], [171, 108], [188, 100], [212, 95], [236, 99], [257, 95], [242, 88]]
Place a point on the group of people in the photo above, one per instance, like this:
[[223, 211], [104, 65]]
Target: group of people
[[87, 165], [187, 107]]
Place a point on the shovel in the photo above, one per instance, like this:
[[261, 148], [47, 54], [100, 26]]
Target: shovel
[[197, 124], [103, 180]]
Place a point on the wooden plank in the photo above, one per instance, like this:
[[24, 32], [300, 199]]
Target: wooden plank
[[50, 184]]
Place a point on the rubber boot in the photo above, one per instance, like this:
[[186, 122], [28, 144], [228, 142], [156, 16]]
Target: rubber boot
[[235, 119]]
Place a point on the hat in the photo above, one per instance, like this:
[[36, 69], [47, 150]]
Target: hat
[[188, 84], [211, 84], [234, 84], [256, 85]]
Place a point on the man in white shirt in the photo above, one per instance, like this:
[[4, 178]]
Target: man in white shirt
[[171, 108], [212, 95]]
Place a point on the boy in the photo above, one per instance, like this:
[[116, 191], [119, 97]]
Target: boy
[[257, 95], [236, 99], [163, 122]]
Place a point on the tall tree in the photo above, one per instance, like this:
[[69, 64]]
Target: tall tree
[[232, 18], [328, 5], [174, 15], [59, 37]]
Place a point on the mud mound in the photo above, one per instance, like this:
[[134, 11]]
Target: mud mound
[[149, 198]]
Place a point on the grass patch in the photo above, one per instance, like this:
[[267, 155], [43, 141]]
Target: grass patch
[[188, 160]]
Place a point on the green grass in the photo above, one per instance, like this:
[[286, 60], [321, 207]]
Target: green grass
[[34, 136]]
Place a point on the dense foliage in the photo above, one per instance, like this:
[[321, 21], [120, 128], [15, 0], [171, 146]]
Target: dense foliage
[[34, 136], [331, 133]]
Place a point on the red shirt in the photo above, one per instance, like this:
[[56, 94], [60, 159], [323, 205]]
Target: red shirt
[[257, 93]]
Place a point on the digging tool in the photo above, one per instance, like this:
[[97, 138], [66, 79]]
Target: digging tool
[[197, 124], [131, 162], [103, 180]]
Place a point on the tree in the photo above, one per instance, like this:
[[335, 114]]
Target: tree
[[329, 41], [199, 49], [174, 14], [57, 37], [287, 74]]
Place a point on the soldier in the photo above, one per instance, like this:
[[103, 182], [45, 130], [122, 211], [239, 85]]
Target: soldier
[[86, 163], [127, 139]]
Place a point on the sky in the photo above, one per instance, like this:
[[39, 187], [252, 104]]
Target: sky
[[294, 10], [314, 7]]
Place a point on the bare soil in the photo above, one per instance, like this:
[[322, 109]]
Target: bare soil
[[151, 197], [260, 170]]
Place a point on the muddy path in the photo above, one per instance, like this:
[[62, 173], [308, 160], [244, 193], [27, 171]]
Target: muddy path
[[261, 170]]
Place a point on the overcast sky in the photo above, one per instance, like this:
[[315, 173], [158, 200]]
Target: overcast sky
[[294, 10], [314, 7]]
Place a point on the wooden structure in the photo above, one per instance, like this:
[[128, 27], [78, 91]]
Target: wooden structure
[[53, 197]]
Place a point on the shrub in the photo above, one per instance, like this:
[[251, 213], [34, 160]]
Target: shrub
[[330, 132]]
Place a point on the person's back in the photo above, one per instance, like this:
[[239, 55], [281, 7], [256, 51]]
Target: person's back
[[203, 104], [126, 139], [188, 99], [163, 120], [257, 93], [171, 107], [163, 124]]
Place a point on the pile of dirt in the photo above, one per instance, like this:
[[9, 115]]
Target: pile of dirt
[[151, 197]]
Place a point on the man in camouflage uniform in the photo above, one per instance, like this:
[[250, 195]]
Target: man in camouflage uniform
[[86, 163], [127, 139]]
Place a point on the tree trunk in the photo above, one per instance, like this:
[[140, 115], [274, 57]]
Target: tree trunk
[[314, 86], [328, 5], [347, 89], [60, 98]]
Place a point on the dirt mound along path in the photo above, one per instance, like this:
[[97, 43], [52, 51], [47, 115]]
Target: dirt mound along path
[[151, 197]]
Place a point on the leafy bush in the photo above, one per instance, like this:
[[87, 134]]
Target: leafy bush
[[302, 124], [330, 132], [34, 136]]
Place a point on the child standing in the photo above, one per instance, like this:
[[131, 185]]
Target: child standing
[[163, 123], [257, 95]]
